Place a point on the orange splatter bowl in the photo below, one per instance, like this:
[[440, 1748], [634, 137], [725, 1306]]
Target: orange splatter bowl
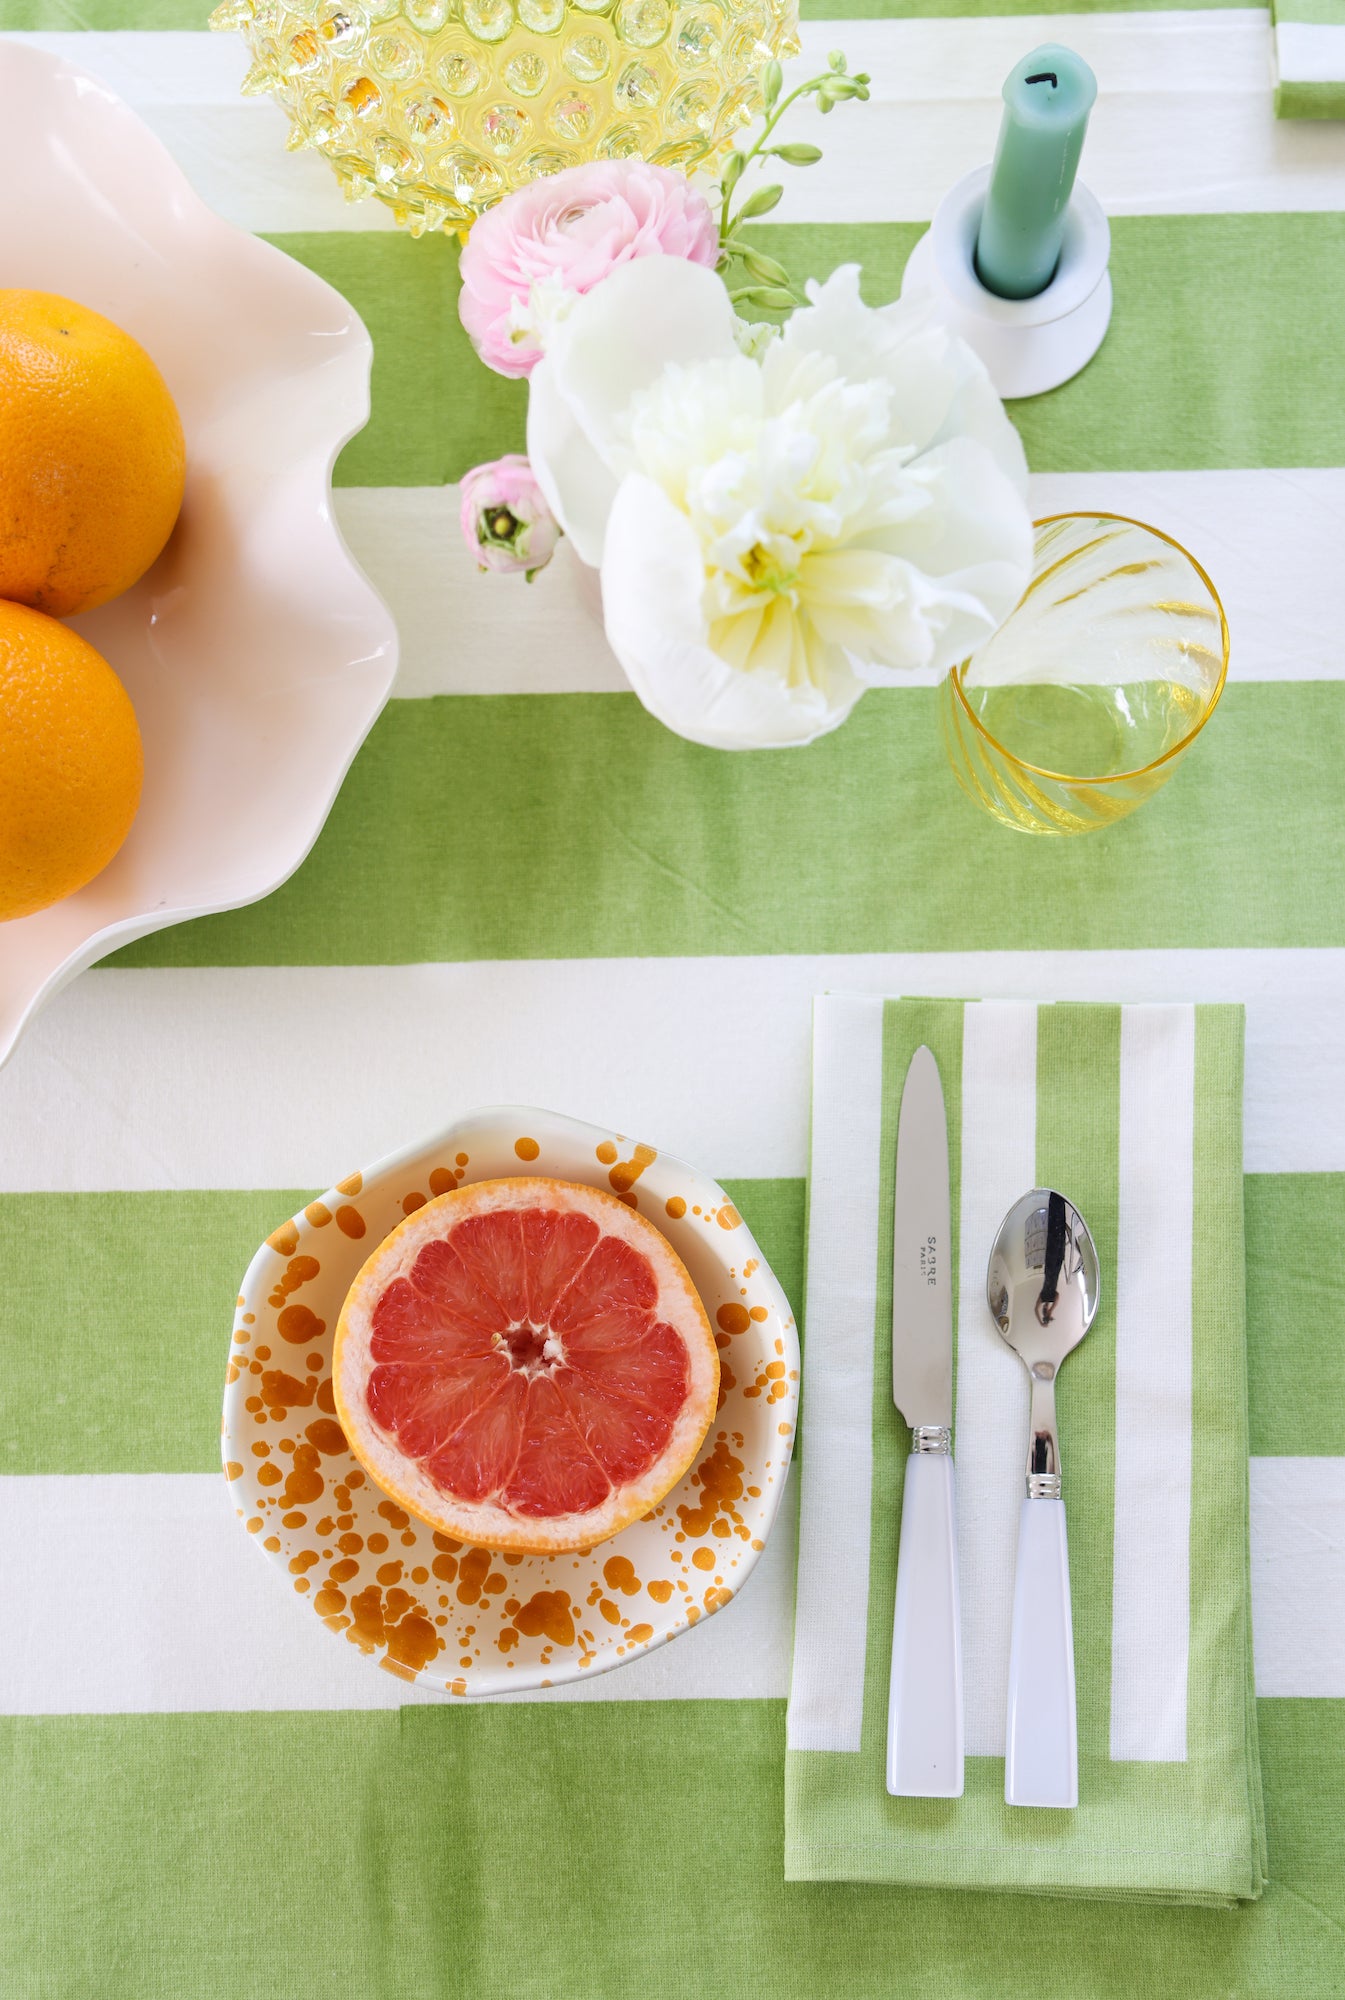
[[464, 1620]]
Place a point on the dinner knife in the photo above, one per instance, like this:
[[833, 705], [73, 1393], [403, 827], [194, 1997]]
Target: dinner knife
[[924, 1714]]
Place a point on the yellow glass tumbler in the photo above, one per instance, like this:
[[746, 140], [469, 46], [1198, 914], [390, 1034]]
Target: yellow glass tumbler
[[1101, 678], [440, 107]]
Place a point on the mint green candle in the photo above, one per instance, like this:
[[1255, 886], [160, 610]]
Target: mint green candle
[[1047, 99]]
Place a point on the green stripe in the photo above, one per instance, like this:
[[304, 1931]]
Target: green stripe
[[1320, 13], [436, 409], [1295, 1349], [1310, 99], [407, 1857], [65, 15], [574, 826], [116, 1323], [117, 1311], [1222, 1741], [1078, 1140], [117, 1316], [1202, 366]]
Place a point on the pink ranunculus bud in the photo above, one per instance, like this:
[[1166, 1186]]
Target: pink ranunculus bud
[[563, 235], [506, 522]]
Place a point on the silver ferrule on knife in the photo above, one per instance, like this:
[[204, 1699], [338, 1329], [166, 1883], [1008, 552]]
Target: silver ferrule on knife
[[932, 1437]]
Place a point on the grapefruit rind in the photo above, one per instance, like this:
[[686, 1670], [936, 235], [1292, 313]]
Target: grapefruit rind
[[485, 1523]]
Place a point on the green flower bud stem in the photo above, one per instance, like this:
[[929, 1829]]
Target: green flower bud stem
[[778, 298], [764, 269], [830, 88], [761, 203], [733, 173], [796, 155]]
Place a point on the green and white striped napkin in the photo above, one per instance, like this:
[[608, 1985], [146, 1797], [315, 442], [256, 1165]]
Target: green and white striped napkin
[[1136, 1114], [1309, 58]]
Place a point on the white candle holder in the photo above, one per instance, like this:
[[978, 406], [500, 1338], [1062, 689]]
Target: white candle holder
[[1028, 345]]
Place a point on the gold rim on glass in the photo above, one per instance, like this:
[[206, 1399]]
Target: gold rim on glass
[[1116, 777]]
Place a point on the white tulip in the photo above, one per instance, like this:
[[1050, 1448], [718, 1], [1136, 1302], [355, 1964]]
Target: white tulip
[[776, 531]]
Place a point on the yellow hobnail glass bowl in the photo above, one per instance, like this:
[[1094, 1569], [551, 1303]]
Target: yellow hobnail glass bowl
[[1097, 683], [440, 107]]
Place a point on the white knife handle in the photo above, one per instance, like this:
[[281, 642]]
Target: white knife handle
[[1041, 1766], [924, 1712]]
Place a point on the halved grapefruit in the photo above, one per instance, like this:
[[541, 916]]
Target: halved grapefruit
[[525, 1364]]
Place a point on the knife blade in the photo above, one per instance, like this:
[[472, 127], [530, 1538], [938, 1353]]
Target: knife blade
[[924, 1716], [922, 1298]]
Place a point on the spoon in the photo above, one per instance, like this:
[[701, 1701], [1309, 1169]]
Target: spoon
[[1042, 1287]]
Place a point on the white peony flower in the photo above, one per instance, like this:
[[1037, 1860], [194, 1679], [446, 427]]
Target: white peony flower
[[776, 530]]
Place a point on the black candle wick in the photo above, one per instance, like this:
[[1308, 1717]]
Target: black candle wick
[[1046, 76]]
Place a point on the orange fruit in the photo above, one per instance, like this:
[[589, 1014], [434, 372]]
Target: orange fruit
[[91, 455], [70, 762], [525, 1364]]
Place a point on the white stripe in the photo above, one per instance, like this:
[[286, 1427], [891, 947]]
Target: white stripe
[[1298, 1577], [1210, 51], [999, 1162], [826, 1703], [235, 157], [1310, 52], [185, 87], [164, 1607], [464, 633], [1245, 528], [1151, 1523], [1184, 121], [151, 68], [228, 1077]]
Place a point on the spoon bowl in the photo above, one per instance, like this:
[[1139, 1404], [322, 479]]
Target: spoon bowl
[[1043, 1287]]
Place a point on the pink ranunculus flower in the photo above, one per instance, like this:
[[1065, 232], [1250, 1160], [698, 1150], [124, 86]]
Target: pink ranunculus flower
[[506, 522], [564, 235]]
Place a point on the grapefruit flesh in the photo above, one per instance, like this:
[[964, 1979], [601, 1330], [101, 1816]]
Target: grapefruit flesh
[[525, 1364]]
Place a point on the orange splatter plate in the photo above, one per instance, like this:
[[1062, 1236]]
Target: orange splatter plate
[[464, 1620]]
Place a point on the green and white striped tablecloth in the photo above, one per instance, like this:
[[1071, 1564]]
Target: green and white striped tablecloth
[[530, 892]]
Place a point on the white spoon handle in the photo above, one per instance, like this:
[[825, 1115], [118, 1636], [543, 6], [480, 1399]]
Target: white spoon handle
[[1041, 1766], [924, 1710]]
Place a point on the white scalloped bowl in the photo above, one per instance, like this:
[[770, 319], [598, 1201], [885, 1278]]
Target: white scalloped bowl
[[257, 654], [416, 1603]]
